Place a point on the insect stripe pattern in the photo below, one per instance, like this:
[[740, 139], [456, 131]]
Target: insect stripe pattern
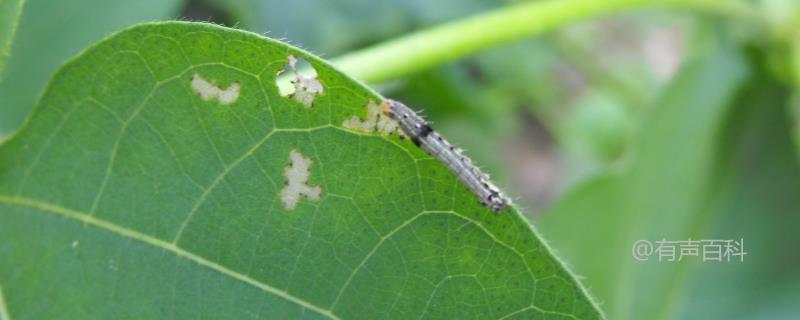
[[418, 130]]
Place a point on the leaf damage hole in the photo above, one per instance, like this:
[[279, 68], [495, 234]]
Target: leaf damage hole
[[208, 90], [376, 121], [304, 86], [297, 173]]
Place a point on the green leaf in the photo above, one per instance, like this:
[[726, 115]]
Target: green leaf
[[52, 31], [759, 204], [151, 181], [9, 18], [665, 191]]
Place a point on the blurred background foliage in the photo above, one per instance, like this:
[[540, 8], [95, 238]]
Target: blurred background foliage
[[649, 124]]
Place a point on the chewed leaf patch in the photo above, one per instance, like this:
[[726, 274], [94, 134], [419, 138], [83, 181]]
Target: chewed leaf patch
[[376, 121], [297, 174], [208, 90], [305, 88]]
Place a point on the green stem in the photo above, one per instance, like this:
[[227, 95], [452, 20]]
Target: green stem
[[431, 47]]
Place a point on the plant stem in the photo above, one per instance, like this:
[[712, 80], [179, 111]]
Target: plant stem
[[431, 47]]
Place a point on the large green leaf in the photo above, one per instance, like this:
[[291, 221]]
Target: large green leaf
[[52, 31], [128, 195]]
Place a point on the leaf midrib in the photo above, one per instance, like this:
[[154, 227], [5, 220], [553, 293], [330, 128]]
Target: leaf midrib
[[125, 232]]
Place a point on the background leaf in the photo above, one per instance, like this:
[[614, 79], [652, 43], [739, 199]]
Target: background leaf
[[666, 190], [127, 195], [758, 202]]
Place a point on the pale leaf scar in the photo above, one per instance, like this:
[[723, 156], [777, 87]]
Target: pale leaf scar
[[304, 89], [421, 133], [208, 90], [376, 121], [297, 173]]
